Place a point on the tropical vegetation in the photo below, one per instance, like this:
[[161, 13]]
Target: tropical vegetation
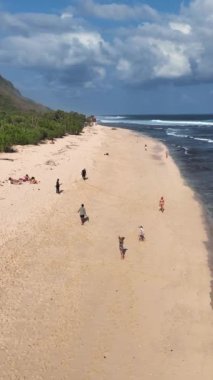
[[23, 121], [21, 128]]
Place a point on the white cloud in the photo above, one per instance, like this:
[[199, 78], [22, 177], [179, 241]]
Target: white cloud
[[180, 27], [66, 48], [156, 56], [55, 50], [115, 11], [66, 15], [200, 9], [174, 48], [31, 23], [173, 62]]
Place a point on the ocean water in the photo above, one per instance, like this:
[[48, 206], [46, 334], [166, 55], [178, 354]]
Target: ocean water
[[189, 139]]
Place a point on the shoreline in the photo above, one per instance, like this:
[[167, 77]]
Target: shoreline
[[71, 309], [206, 217], [185, 157]]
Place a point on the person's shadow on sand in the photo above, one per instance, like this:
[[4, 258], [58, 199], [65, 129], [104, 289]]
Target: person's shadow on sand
[[85, 219]]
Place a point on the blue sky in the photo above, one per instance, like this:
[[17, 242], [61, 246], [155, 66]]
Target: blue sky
[[56, 5], [110, 57]]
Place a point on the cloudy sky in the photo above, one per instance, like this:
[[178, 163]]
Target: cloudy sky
[[110, 56]]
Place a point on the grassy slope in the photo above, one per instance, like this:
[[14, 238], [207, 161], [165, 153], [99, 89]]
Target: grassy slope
[[12, 100]]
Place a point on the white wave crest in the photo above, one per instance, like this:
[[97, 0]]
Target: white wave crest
[[183, 122], [173, 132], [154, 122], [110, 119], [202, 139]]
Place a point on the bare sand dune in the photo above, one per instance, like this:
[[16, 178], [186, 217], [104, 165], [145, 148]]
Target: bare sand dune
[[71, 309]]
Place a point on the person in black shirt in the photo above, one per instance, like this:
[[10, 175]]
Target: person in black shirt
[[84, 173], [57, 186]]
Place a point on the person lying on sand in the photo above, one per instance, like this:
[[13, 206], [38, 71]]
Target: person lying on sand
[[14, 181], [25, 178], [33, 181]]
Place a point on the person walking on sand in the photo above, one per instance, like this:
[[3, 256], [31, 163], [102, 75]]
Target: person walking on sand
[[162, 204], [121, 247], [83, 214], [141, 235], [57, 186], [84, 173]]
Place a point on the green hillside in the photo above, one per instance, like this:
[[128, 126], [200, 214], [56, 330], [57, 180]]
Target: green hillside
[[23, 121], [12, 100]]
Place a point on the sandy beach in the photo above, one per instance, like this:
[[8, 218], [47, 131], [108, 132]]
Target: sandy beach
[[71, 309]]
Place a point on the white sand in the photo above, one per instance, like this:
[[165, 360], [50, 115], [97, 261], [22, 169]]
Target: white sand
[[70, 308]]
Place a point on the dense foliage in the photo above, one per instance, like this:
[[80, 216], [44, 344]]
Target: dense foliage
[[20, 128]]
